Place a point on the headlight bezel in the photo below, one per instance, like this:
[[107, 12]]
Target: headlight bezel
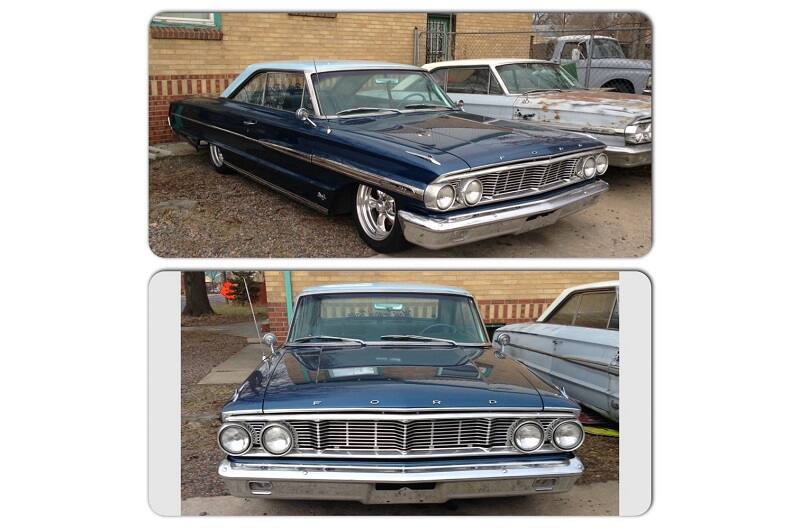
[[229, 426], [520, 425], [553, 436], [281, 426], [639, 132], [597, 159], [462, 191]]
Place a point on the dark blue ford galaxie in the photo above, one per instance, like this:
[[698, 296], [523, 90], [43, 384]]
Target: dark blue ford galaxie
[[384, 143], [394, 393]]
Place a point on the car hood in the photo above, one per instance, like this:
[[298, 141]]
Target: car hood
[[476, 140], [589, 110], [382, 377]]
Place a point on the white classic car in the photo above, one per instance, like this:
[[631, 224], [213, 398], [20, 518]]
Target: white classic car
[[543, 92], [574, 345]]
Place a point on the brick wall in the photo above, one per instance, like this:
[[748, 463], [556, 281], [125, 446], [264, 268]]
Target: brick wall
[[183, 63], [503, 297]]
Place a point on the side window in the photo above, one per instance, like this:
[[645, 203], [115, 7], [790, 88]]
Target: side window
[[565, 313], [468, 80], [440, 76], [253, 91], [613, 322], [494, 86], [566, 51], [595, 309], [284, 91]]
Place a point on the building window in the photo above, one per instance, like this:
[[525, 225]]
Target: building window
[[188, 25], [186, 19]]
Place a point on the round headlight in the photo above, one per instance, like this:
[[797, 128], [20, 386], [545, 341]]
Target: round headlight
[[648, 132], [634, 133], [589, 167], [234, 439], [445, 197], [528, 436], [471, 191], [601, 163], [568, 435], [276, 439]]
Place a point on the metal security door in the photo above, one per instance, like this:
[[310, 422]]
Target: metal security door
[[437, 43]]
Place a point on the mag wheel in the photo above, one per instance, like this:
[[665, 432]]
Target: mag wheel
[[375, 215], [217, 159]]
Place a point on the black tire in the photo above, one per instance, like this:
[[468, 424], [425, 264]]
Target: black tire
[[368, 219], [620, 85], [216, 157]]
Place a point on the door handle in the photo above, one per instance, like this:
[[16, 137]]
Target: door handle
[[249, 122]]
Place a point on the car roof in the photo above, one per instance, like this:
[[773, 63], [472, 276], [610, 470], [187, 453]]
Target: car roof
[[311, 66], [416, 288], [583, 37], [473, 62]]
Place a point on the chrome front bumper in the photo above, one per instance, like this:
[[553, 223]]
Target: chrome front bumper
[[502, 220], [630, 155], [398, 483]]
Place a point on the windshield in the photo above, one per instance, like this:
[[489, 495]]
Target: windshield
[[368, 91], [607, 49], [434, 318], [522, 77]]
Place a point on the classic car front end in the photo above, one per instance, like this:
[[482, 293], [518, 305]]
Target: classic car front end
[[545, 93], [384, 143], [409, 403]]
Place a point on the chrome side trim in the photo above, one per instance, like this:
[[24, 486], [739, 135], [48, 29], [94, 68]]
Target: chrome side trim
[[598, 366], [347, 170], [368, 177], [277, 188]]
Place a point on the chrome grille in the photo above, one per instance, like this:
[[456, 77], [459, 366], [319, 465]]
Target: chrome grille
[[401, 435], [530, 178]]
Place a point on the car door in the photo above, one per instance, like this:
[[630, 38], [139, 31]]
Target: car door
[[613, 368], [583, 350], [478, 87]]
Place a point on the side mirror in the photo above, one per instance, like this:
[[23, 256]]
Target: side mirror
[[460, 104], [269, 340], [503, 339], [303, 115]]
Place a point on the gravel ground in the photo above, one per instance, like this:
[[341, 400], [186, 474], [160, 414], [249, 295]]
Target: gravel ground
[[196, 212], [200, 405]]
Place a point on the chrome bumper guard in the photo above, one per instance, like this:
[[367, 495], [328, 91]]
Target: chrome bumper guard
[[398, 483], [630, 155], [502, 220]]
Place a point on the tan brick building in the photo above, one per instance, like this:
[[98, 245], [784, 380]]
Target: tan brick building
[[503, 296], [201, 53]]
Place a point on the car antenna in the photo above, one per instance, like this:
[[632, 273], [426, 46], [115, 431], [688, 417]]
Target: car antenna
[[261, 340]]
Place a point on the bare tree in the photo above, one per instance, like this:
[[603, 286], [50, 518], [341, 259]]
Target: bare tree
[[197, 304]]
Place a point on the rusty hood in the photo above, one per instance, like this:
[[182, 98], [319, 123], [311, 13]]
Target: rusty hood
[[595, 110]]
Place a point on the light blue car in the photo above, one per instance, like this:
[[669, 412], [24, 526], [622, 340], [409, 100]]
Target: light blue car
[[574, 345]]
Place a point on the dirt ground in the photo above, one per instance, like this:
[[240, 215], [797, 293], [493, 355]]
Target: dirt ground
[[201, 404], [196, 212]]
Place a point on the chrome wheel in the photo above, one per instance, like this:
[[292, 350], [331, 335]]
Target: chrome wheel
[[377, 212], [216, 156]]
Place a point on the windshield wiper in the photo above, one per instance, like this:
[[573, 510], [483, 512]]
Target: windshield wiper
[[425, 105], [323, 338], [362, 110], [415, 338]]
